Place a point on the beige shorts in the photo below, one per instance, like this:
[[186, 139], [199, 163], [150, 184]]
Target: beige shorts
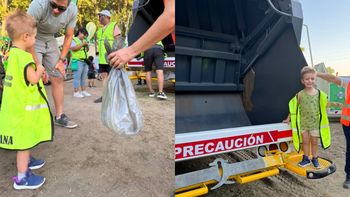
[[313, 133], [48, 54]]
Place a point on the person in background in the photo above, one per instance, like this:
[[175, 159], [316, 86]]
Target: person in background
[[79, 49], [109, 31], [155, 55], [91, 72], [344, 120]]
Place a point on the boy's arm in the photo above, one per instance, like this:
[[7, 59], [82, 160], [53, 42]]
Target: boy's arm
[[329, 78], [287, 120], [34, 76]]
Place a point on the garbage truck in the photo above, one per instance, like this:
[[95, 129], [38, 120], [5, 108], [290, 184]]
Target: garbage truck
[[145, 12], [238, 65]]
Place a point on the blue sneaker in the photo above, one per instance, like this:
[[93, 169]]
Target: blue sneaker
[[315, 162], [35, 163], [306, 161], [30, 181]]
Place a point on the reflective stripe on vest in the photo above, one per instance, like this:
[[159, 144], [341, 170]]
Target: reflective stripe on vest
[[35, 107], [107, 33], [81, 53], [345, 117]]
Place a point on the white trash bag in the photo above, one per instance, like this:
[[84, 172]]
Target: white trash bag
[[120, 109]]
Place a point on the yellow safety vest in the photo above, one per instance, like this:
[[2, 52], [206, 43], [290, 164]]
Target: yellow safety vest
[[81, 53], [101, 36], [25, 117], [294, 110]]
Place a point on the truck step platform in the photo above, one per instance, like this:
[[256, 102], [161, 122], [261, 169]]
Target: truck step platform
[[310, 172]]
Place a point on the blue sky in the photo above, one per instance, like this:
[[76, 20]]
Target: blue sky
[[329, 28]]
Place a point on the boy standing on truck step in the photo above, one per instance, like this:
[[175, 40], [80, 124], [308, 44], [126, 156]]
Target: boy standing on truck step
[[25, 117], [309, 119]]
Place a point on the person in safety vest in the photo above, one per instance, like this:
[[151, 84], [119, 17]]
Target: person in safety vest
[[25, 117], [79, 64], [109, 31], [163, 26], [344, 120], [155, 55], [309, 119]]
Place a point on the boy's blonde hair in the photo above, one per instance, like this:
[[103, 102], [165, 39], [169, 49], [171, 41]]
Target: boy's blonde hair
[[307, 69], [19, 23]]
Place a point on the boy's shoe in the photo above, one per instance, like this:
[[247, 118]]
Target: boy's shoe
[[78, 95], [306, 161], [84, 93], [161, 95], [30, 181], [315, 162], [346, 184], [99, 100], [35, 163], [64, 121], [152, 94]]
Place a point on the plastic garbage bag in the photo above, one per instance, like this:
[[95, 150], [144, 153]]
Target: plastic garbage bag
[[120, 109]]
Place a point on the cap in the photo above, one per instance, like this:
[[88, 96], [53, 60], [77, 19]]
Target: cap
[[105, 13]]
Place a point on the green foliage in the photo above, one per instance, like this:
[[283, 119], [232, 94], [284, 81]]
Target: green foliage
[[330, 70], [88, 9], [120, 10]]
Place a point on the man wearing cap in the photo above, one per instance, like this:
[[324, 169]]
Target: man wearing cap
[[109, 31], [344, 120], [52, 16]]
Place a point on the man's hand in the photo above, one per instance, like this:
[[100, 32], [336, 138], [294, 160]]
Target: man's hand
[[119, 58], [60, 67], [84, 44]]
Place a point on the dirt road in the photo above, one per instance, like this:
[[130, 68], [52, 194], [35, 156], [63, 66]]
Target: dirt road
[[93, 161], [289, 184]]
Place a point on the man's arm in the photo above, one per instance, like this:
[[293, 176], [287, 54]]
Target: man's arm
[[329, 78], [162, 27], [77, 47], [65, 48]]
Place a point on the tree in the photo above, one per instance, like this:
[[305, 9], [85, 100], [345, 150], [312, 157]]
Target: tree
[[88, 9], [330, 70], [120, 10]]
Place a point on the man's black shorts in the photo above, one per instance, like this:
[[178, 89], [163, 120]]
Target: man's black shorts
[[154, 55]]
